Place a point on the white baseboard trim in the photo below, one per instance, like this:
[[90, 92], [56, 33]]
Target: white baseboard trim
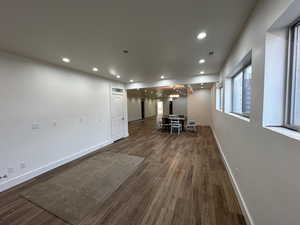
[[238, 193], [36, 172]]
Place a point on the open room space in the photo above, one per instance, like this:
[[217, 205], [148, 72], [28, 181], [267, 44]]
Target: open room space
[[150, 112]]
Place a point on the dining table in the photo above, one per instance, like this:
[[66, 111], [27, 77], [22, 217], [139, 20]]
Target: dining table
[[167, 120]]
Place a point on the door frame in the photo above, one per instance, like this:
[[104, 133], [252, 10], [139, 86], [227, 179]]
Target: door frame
[[122, 93]]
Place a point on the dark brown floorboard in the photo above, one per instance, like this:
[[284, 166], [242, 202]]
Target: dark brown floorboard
[[182, 181]]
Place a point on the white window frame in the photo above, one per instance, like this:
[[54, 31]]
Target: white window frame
[[220, 98], [242, 70], [291, 76]]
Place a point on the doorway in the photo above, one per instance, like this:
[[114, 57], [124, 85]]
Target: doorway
[[170, 107], [143, 109]]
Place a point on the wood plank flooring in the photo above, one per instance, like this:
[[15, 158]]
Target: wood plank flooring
[[182, 181]]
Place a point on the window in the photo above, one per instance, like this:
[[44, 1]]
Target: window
[[219, 98], [293, 89], [242, 92]]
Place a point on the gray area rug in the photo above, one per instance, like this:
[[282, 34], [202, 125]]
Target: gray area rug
[[74, 193]]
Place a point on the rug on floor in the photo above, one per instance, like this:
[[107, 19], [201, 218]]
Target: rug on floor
[[74, 193]]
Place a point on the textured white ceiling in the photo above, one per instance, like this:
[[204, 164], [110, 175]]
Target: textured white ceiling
[[160, 35]]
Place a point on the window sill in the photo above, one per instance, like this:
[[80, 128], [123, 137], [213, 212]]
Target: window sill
[[239, 117], [286, 132]]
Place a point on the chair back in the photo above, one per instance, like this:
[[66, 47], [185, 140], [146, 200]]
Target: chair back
[[191, 122], [175, 123]]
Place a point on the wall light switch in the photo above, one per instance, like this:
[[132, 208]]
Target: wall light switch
[[35, 126]]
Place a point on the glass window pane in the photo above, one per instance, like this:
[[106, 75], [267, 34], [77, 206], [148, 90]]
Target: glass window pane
[[237, 98], [296, 86], [218, 98], [247, 90]]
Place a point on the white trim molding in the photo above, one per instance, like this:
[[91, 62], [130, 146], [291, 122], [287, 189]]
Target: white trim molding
[[36, 172], [234, 183]]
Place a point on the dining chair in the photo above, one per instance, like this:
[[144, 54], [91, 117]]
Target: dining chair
[[191, 125], [175, 124]]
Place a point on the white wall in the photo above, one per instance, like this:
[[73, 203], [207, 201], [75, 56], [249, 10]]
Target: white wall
[[179, 106], [134, 108], [71, 109], [199, 107], [150, 107], [265, 164]]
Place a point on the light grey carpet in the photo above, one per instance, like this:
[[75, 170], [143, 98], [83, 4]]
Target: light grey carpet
[[72, 194]]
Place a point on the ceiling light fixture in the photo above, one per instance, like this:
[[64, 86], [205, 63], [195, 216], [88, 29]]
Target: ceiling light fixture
[[202, 35], [131, 81], [118, 76], [162, 77], [201, 61], [202, 72], [66, 60], [112, 72], [95, 69]]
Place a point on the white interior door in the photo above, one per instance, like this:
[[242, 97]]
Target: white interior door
[[160, 108], [117, 113]]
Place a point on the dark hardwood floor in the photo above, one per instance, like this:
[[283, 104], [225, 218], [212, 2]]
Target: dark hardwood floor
[[182, 181]]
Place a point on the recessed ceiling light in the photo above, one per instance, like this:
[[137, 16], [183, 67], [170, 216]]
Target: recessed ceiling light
[[202, 72], [131, 81], [162, 77], [112, 72], [202, 35], [118, 76], [66, 60], [201, 61], [95, 69]]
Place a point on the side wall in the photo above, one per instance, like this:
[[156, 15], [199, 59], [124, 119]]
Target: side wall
[[49, 116], [264, 164]]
